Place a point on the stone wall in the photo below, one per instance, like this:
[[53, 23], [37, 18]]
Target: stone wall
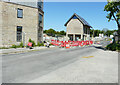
[[29, 23], [0, 24], [74, 27]]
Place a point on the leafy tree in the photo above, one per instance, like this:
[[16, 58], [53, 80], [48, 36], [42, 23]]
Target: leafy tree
[[45, 31], [57, 32], [114, 13], [91, 32], [52, 32], [110, 32], [62, 33], [97, 32]]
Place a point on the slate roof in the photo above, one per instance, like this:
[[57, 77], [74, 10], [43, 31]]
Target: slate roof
[[83, 21]]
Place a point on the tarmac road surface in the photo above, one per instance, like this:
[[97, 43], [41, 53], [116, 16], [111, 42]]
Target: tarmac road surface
[[60, 65]]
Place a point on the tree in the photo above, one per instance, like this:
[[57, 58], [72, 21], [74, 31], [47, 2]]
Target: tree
[[45, 31], [114, 14], [104, 31], [62, 33], [96, 33], [109, 32], [52, 32]]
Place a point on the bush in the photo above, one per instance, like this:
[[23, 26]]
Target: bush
[[118, 47], [4, 47], [30, 40], [40, 44], [33, 43], [21, 45], [113, 47], [51, 44], [17, 46], [13, 46]]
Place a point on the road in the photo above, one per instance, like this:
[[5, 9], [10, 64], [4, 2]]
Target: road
[[59, 65]]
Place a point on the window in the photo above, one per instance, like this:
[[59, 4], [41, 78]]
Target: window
[[19, 33], [40, 19], [19, 13], [75, 17], [85, 30]]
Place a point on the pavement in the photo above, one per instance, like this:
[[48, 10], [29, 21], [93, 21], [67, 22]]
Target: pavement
[[101, 45], [59, 65], [22, 50]]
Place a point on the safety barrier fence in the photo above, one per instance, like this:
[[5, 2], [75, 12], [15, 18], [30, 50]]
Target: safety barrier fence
[[71, 43]]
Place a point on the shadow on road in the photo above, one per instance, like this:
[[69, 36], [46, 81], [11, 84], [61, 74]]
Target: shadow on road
[[102, 48]]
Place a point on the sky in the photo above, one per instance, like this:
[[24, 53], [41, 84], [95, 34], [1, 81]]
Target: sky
[[56, 14]]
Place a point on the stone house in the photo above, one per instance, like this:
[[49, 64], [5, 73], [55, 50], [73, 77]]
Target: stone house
[[77, 28], [21, 22]]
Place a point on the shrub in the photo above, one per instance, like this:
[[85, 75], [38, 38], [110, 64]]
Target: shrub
[[30, 40], [40, 44], [118, 47], [51, 44], [21, 45], [33, 43], [109, 39], [13, 46], [4, 47], [113, 46], [17, 46]]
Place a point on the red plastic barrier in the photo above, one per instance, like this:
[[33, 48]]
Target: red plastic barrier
[[30, 44], [91, 42], [71, 43], [52, 40], [87, 42], [82, 43]]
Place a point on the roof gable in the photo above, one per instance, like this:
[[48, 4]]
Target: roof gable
[[75, 16]]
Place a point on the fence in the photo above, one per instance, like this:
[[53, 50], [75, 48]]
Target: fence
[[71, 43]]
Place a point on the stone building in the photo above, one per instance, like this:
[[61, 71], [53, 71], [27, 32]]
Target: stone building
[[21, 21], [77, 28]]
